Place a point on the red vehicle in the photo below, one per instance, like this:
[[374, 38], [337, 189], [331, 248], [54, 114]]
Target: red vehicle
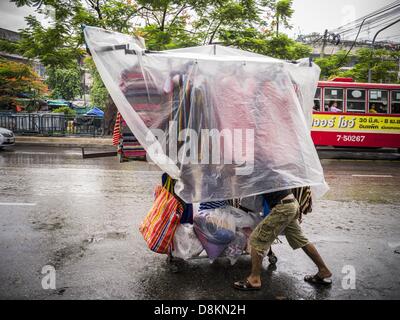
[[350, 114]]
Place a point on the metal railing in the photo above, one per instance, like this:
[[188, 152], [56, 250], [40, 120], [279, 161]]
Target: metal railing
[[49, 124]]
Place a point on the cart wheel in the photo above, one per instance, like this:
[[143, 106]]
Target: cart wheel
[[273, 259]]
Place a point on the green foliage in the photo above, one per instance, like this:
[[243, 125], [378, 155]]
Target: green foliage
[[283, 47], [54, 45], [247, 39], [118, 14], [64, 83], [66, 110], [165, 24], [9, 46], [16, 78], [283, 12], [98, 92], [330, 65], [383, 64]]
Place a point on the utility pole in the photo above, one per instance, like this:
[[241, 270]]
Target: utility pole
[[398, 74], [322, 54]]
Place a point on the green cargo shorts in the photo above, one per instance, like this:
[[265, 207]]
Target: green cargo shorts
[[282, 219]]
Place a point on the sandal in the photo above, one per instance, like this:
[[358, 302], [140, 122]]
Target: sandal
[[316, 279], [245, 285]]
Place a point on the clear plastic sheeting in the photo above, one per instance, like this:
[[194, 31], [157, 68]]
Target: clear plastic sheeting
[[224, 122]]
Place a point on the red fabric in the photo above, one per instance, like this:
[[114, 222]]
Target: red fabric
[[159, 226], [117, 131]]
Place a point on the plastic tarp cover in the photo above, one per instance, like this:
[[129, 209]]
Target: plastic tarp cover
[[225, 123], [95, 112]]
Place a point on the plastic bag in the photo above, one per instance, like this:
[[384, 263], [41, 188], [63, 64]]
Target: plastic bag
[[216, 230], [218, 225], [221, 218], [236, 248], [186, 243], [244, 219]]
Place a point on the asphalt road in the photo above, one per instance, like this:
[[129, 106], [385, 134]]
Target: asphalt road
[[82, 217]]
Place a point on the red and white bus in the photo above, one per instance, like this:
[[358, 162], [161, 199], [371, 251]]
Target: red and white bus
[[350, 114]]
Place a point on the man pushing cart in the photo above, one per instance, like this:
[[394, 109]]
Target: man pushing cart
[[223, 124]]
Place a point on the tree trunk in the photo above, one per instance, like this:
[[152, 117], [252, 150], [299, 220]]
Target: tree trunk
[[110, 115], [277, 25]]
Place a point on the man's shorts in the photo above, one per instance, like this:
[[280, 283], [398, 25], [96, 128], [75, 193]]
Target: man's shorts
[[282, 219]]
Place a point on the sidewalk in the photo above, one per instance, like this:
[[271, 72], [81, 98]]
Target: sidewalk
[[65, 142]]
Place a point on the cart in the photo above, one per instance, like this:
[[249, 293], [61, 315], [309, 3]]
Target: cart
[[175, 265]]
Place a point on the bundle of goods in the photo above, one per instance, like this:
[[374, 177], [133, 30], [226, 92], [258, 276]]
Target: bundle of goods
[[171, 97], [129, 147]]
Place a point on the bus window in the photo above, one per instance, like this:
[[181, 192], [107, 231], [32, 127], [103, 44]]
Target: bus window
[[356, 100], [395, 101], [333, 100], [317, 100], [378, 101]]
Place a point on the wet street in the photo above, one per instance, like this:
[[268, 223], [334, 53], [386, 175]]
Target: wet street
[[82, 217]]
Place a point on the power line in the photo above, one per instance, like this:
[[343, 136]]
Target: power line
[[356, 23], [372, 21], [395, 36], [358, 33], [377, 19], [380, 10], [374, 26]]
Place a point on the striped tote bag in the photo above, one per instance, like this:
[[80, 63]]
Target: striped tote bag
[[117, 130], [159, 226]]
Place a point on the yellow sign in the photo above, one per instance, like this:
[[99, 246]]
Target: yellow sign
[[356, 123]]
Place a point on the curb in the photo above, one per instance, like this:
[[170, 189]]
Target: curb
[[61, 142], [66, 145]]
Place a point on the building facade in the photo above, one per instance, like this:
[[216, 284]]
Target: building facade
[[12, 36]]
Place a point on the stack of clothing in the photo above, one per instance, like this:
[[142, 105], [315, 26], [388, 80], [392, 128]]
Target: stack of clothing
[[143, 94], [128, 146], [117, 130]]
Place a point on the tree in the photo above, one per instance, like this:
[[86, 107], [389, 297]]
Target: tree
[[283, 47], [330, 65], [54, 46], [98, 93], [17, 78], [66, 110], [382, 62], [165, 24], [64, 83], [283, 12]]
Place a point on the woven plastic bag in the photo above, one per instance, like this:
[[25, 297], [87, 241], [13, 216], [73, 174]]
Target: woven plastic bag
[[159, 226]]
